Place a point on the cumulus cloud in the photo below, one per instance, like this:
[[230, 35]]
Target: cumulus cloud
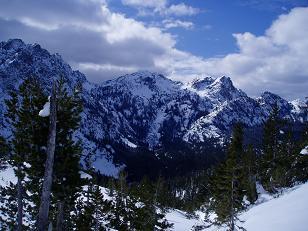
[[181, 10], [103, 47], [169, 23], [162, 7], [149, 3], [276, 61], [104, 44]]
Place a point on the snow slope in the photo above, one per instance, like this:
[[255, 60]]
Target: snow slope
[[288, 212]]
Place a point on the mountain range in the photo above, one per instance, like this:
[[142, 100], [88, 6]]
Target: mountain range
[[138, 115]]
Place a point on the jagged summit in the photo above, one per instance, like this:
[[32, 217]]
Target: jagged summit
[[19, 61], [200, 84], [216, 90], [12, 44], [139, 110], [144, 84]]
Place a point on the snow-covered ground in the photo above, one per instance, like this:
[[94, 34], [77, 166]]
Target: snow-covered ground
[[288, 212]]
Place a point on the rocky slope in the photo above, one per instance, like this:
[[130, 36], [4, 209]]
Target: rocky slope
[[140, 111]]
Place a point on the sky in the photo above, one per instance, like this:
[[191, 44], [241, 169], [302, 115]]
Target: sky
[[261, 44]]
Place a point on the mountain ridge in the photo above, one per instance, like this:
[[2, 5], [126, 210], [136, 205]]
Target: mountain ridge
[[142, 110]]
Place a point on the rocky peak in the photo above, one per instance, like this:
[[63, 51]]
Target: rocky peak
[[12, 44], [200, 84]]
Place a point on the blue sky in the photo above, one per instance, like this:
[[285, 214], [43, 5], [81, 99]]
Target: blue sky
[[261, 44], [217, 20]]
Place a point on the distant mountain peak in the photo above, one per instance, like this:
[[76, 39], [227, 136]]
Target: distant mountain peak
[[201, 83], [13, 44]]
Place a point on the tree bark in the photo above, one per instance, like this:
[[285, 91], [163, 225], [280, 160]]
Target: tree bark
[[42, 222], [60, 216], [19, 199]]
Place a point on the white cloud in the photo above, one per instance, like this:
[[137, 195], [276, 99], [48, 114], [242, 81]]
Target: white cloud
[[146, 3], [168, 23], [276, 61], [180, 10], [162, 7]]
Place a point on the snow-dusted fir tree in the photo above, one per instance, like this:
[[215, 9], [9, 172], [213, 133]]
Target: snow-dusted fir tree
[[3, 152], [25, 145], [226, 187]]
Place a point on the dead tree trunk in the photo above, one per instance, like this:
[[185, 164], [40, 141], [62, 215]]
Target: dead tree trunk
[[42, 222], [60, 216], [19, 199]]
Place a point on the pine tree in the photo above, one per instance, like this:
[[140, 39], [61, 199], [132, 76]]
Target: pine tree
[[22, 109], [149, 215], [8, 206], [4, 152], [227, 190], [121, 210], [92, 210], [249, 174], [277, 162], [270, 149]]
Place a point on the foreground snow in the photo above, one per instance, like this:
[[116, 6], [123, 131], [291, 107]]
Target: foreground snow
[[285, 213], [288, 212]]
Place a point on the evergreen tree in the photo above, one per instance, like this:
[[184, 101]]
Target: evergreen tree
[[4, 151], [227, 190], [300, 165], [280, 151], [8, 206], [91, 213], [148, 216], [22, 112], [270, 149], [249, 174]]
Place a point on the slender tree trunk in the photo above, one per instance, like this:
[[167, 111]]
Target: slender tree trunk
[[232, 203], [60, 216], [96, 219], [42, 222], [19, 199]]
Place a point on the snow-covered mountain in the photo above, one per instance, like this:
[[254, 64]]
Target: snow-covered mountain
[[140, 111]]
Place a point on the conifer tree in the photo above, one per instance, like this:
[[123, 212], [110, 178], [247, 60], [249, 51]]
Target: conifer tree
[[249, 174], [149, 216], [276, 164], [227, 190], [92, 213], [22, 109], [270, 149], [8, 206], [4, 152]]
